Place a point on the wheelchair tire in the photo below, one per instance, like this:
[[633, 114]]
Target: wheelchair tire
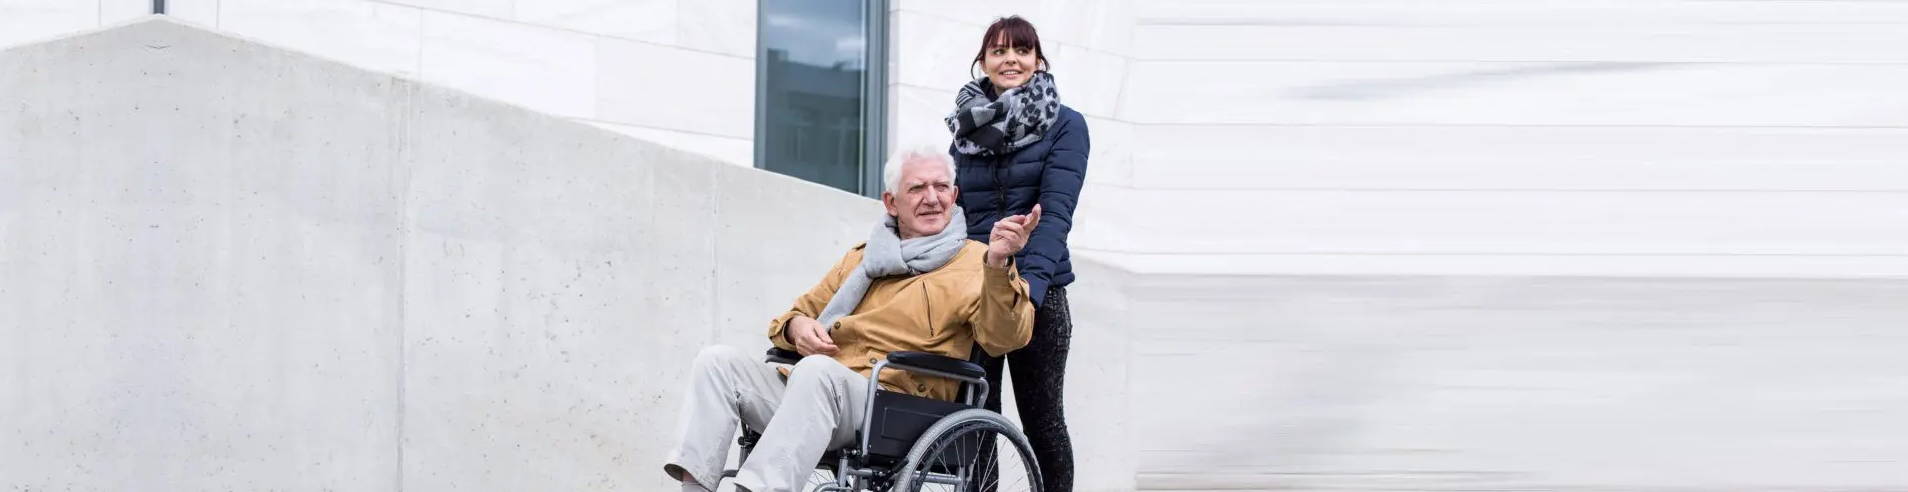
[[965, 428]]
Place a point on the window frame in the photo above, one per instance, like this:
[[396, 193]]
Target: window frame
[[874, 94]]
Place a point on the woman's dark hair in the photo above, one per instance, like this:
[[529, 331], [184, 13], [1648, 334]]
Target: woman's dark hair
[[1019, 32]]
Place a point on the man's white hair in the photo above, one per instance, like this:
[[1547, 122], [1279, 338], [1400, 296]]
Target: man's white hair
[[891, 171]]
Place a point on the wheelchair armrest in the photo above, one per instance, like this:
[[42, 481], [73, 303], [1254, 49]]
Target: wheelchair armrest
[[924, 360], [780, 356]]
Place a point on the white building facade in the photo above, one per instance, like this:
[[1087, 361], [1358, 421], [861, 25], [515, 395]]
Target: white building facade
[[1637, 138]]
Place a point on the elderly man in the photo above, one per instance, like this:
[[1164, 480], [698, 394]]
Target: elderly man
[[917, 284]]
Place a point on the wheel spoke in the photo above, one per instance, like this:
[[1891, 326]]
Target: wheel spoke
[[960, 449], [987, 464]]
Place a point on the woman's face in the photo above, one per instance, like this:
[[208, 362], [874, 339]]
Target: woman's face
[[1008, 66]]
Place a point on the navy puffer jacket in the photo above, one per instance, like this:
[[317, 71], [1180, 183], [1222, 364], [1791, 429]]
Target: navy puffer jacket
[[1051, 172]]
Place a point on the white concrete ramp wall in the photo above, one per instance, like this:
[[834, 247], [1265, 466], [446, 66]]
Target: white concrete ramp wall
[[197, 294], [226, 266]]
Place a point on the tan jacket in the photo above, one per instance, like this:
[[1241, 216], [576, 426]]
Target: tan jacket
[[944, 312]]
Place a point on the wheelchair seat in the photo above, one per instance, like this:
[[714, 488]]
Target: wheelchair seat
[[899, 419]]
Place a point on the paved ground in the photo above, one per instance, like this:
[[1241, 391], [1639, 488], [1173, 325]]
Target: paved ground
[[1454, 383]]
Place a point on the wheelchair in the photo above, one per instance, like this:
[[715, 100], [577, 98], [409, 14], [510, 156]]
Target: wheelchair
[[910, 443]]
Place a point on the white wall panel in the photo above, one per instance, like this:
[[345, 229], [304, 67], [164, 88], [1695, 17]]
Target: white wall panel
[[1697, 43], [933, 52], [374, 35], [544, 69], [673, 88], [643, 20], [1514, 222], [1454, 93], [1193, 157], [118, 11], [721, 26], [494, 9], [27, 21]]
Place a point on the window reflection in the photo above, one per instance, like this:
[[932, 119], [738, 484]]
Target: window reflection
[[813, 72]]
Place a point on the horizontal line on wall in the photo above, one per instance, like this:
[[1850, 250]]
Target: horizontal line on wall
[[1507, 125], [1495, 190], [980, 29], [925, 88], [556, 28], [658, 128], [1530, 264], [1661, 62], [1500, 253], [1383, 126], [1501, 23]]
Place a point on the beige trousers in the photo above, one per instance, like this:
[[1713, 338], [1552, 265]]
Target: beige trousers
[[821, 407]]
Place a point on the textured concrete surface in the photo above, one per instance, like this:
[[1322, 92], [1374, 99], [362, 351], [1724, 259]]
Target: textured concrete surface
[[229, 266], [200, 279]]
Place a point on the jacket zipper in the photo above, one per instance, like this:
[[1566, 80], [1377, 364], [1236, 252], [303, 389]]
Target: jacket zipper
[[1000, 187]]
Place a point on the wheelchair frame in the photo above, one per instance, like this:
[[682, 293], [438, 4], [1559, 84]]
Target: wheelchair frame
[[856, 468]]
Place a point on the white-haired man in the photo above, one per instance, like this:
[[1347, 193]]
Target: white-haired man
[[917, 284]]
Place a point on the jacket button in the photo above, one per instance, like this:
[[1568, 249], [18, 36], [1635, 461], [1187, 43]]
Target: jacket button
[[872, 360], [837, 325], [920, 388]]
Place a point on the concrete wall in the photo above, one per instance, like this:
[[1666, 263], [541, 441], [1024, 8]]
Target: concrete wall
[[202, 290], [227, 266]]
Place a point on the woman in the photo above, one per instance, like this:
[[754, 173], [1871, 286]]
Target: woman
[[1016, 146]]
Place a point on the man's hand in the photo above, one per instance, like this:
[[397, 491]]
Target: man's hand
[[810, 337], [1009, 236]]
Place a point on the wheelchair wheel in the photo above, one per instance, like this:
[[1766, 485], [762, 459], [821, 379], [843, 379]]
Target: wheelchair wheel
[[819, 480], [971, 450]]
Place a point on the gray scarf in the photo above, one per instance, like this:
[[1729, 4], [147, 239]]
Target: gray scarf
[[888, 255], [1000, 126]]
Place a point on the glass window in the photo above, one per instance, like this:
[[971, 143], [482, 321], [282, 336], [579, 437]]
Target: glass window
[[818, 102]]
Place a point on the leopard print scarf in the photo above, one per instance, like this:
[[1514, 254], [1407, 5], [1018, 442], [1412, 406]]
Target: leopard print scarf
[[1017, 119]]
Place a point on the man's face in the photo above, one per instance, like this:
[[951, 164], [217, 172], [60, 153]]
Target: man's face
[[925, 200]]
